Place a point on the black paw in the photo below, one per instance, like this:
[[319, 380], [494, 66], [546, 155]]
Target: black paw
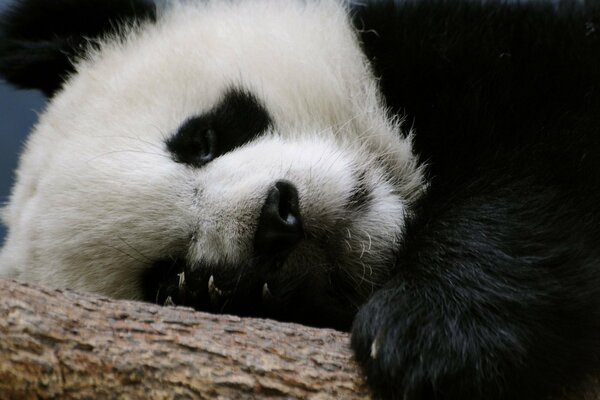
[[426, 346]]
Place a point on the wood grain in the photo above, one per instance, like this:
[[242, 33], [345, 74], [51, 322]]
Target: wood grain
[[61, 344], [58, 344]]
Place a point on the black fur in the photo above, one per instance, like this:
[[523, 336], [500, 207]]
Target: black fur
[[237, 119], [37, 51], [496, 292]]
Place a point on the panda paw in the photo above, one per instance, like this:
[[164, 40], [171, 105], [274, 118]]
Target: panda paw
[[411, 349]]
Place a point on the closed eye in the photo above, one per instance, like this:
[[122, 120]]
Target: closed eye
[[237, 119], [195, 143]]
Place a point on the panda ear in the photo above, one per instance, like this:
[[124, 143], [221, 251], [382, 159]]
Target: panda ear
[[40, 38]]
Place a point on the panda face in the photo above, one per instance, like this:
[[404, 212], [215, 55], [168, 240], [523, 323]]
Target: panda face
[[241, 147]]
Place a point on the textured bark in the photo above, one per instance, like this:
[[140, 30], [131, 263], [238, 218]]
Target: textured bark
[[60, 344], [64, 345]]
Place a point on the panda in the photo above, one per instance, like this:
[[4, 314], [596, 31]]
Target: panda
[[422, 173]]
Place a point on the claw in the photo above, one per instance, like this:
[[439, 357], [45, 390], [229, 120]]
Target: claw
[[181, 279], [266, 293], [375, 347], [212, 289], [214, 292], [169, 302]]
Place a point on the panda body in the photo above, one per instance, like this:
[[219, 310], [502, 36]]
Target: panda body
[[431, 176]]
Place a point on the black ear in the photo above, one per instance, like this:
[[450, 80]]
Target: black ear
[[40, 38]]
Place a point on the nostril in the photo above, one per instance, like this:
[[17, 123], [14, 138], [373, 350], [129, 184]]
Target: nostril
[[279, 225], [289, 209]]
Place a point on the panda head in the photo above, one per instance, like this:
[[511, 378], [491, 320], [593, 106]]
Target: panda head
[[231, 155]]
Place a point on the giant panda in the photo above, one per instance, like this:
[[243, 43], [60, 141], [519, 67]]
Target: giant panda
[[422, 173]]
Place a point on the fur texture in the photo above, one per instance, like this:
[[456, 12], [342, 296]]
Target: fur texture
[[105, 145], [239, 157], [497, 287]]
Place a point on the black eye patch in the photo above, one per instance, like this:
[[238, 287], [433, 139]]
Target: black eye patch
[[237, 119]]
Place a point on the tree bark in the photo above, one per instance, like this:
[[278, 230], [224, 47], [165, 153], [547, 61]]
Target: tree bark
[[60, 344], [64, 345]]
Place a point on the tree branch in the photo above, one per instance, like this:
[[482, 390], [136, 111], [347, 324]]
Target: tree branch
[[61, 344]]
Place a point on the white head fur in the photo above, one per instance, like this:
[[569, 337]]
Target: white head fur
[[99, 198]]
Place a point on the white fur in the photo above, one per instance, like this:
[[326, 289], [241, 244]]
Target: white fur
[[98, 197]]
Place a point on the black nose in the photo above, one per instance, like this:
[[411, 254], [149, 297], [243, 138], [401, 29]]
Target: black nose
[[280, 224]]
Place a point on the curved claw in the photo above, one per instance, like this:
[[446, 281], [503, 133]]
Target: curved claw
[[266, 293], [214, 292], [181, 279], [169, 302]]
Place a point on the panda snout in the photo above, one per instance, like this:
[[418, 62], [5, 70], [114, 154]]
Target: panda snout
[[246, 287], [280, 223]]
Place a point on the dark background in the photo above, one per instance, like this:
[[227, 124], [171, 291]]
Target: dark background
[[17, 114]]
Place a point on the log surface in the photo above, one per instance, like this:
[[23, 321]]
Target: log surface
[[58, 344], [61, 344]]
